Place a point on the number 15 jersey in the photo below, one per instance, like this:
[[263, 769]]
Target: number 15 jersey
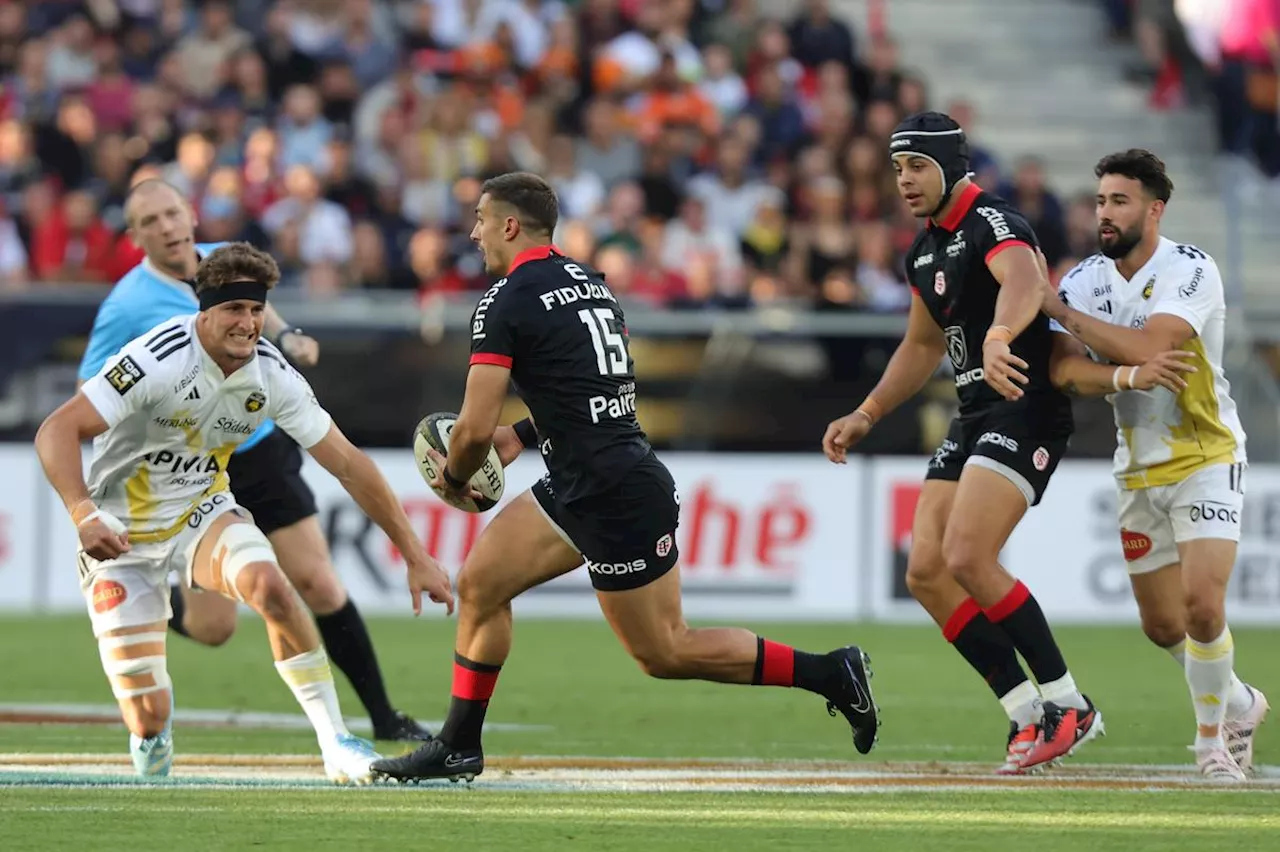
[[562, 333]]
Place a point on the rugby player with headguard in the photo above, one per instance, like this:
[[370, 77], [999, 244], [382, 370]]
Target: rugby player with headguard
[[551, 328], [976, 280]]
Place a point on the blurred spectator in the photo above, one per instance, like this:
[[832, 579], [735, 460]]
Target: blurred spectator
[[782, 125], [1029, 194], [694, 241], [731, 195], [321, 228], [817, 36], [765, 241], [70, 62], [13, 254], [825, 242], [986, 171], [72, 244], [606, 150], [304, 131], [581, 193], [205, 53], [1082, 227]]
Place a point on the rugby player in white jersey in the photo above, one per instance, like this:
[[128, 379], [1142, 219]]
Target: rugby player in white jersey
[[1180, 456], [166, 413]]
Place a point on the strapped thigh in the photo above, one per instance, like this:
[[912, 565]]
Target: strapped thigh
[[237, 546]]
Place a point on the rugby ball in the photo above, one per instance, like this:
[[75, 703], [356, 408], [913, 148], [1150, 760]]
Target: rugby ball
[[433, 432]]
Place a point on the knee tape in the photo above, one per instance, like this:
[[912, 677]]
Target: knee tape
[[238, 546], [132, 676]]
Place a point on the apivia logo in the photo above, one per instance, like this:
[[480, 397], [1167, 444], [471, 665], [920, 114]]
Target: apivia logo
[[999, 225], [956, 348]]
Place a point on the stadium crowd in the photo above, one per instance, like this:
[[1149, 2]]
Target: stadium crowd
[[703, 154]]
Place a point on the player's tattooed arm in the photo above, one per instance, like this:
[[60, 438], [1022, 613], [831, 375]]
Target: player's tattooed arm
[[477, 424], [1118, 344], [1072, 371]]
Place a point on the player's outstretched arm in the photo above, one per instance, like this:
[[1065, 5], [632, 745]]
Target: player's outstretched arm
[[302, 349], [913, 363], [477, 424], [367, 486], [1121, 345], [1072, 371], [58, 447]]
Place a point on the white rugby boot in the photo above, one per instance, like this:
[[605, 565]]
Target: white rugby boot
[[1238, 733], [1217, 765], [153, 756], [349, 760]]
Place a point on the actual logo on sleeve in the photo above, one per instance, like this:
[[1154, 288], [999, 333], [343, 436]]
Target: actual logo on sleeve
[[1040, 458], [1135, 544], [663, 547], [1189, 289], [107, 595], [255, 402], [940, 282], [124, 375]]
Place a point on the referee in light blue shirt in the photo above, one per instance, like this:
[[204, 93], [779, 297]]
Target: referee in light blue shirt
[[266, 469]]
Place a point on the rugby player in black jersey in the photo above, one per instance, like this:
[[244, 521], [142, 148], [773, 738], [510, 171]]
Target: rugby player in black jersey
[[976, 278], [552, 330]]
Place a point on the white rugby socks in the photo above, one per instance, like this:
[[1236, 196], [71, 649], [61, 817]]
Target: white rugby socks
[[1208, 670], [1239, 698], [309, 677], [1022, 704]]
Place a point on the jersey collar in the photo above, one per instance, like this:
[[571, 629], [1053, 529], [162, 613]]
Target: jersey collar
[[535, 253], [165, 278], [964, 203]]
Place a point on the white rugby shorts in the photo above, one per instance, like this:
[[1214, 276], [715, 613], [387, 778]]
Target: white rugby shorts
[[1153, 521], [133, 589]]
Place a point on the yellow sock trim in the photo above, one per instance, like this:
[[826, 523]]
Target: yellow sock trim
[[1210, 651]]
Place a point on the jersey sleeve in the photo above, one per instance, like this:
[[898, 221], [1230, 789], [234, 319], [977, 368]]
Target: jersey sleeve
[[493, 327], [1194, 294], [293, 405], [127, 383], [112, 329], [1071, 291], [998, 229]]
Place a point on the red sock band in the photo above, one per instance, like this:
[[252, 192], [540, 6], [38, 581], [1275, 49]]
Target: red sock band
[[472, 685], [959, 620], [779, 665], [1009, 604]]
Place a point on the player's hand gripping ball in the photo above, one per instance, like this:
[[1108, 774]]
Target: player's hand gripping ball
[[488, 482]]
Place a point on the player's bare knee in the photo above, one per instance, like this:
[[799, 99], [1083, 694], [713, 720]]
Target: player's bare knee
[[477, 595], [926, 569], [321, 591], [263, 587], [964, 561], [661, 662], [1206, 615], [1164, 630], [212, 632]]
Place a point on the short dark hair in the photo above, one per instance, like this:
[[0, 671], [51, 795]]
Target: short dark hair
[[532, 197], [236, 262], [1141, 165]]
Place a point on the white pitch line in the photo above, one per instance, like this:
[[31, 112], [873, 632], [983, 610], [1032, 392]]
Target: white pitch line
[[110, 713], [94, 772]]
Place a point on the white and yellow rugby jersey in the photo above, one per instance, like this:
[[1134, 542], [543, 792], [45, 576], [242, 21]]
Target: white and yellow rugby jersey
[[174, 420], [1163, 437]]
